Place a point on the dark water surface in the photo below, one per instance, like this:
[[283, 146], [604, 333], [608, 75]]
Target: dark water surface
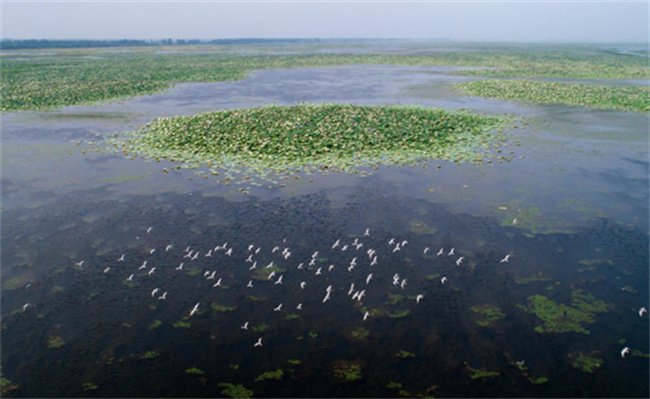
[[571, 210]]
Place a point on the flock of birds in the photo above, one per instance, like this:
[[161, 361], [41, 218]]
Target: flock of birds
[[355, 258]]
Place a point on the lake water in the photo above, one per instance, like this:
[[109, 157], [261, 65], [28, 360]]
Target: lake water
[[570, 210]]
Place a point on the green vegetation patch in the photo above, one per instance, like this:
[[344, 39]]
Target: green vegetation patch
[[55, 342], [333, 137], [635, 98], [559, 318], [221, 308], [270, 375], [89, 386], [487, 314], [360, 333], [194, 371], [481, 373], [346, 370], [182, 324], [235, 391], [585, 363]]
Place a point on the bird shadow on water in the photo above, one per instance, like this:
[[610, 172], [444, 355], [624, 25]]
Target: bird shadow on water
[[401, 297]]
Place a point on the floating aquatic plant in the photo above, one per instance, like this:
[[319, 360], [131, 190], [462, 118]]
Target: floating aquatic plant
[[149, 355], [481, 373], [326, 137], [559, 318], [155, 324], [346, 370], [235, 391], [270, 375], [404, 354], [221, 308], [585, 363], [360, 333], [194, 371], [487, 314], [89, 386], [182, 324], [55, 342], [604, 97]]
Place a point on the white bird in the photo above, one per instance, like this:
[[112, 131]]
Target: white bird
[[196, 255], [271, 275], [351, 288], [404, 243], [300, 266], [25, 306], [270, 265], [353, 262], [302, 285], [209, 254], [625, 351], [257, 251], [355, 295], [328, 289], [143, 266], [521, 362], [426, 250], [368, 278], [403, 284], [327, 297], [361, 294], [365, 316], [121, 259], [254, 266], [250, 247], [187, 249], [195, 309], [155, 290], [245, 326], [299, 307], [212, 276], [250, 284], [459, 260], [151, 271], [391, 242], [207, 272], [344, 248], [168, 247], [440, 252], [149, 230], [180, 267], [188, 254], [514, 221], [250, 258], [370, 253], [505, 259], [642, 311], [107, 269], [374, 261], [329, 269], [314, 255], [350, 268], [358, 246], [367, 233], [275, 249], [130, 278], [419, 298], [318, 271], [397, 248], [279, 280], [218, 283], [277, 309], [80, 263], [229, 252], [336, 244], [443, 280], [152, 251], [312, 262], [163, 296], [451, 252], [258, 343]]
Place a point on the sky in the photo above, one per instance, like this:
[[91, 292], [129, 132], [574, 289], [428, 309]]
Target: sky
[[506, 20]]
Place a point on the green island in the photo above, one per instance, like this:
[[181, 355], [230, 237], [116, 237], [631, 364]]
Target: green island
[[235, 391], [270, 375], [325, 137], [585, 363]]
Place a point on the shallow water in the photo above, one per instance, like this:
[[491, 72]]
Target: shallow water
[[571, 209]]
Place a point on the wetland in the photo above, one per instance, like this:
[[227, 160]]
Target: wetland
[[504, 255]]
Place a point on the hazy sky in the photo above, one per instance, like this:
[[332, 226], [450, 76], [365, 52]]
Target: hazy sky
[[573, 21]]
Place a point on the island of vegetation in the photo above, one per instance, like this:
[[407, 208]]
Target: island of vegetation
[[326, 137]]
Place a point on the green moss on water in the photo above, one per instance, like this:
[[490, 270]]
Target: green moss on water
[[394, 298], [313, 334], [261, 327], [560, 318], [393, 384], [270, 375], [291, 316], [487, 314], [234, 366], [360, 333], [221, 308], [294, 362], [399, 314], [404, 354], [182, 324], [527, 280], [235, 391], [149, 355], [262, 273], [419, 227]]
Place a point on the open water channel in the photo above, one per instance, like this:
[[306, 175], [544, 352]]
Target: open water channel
[[538, 298]]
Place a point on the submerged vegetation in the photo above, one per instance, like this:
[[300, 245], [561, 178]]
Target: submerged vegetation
[[605, 97], [329, 137]]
